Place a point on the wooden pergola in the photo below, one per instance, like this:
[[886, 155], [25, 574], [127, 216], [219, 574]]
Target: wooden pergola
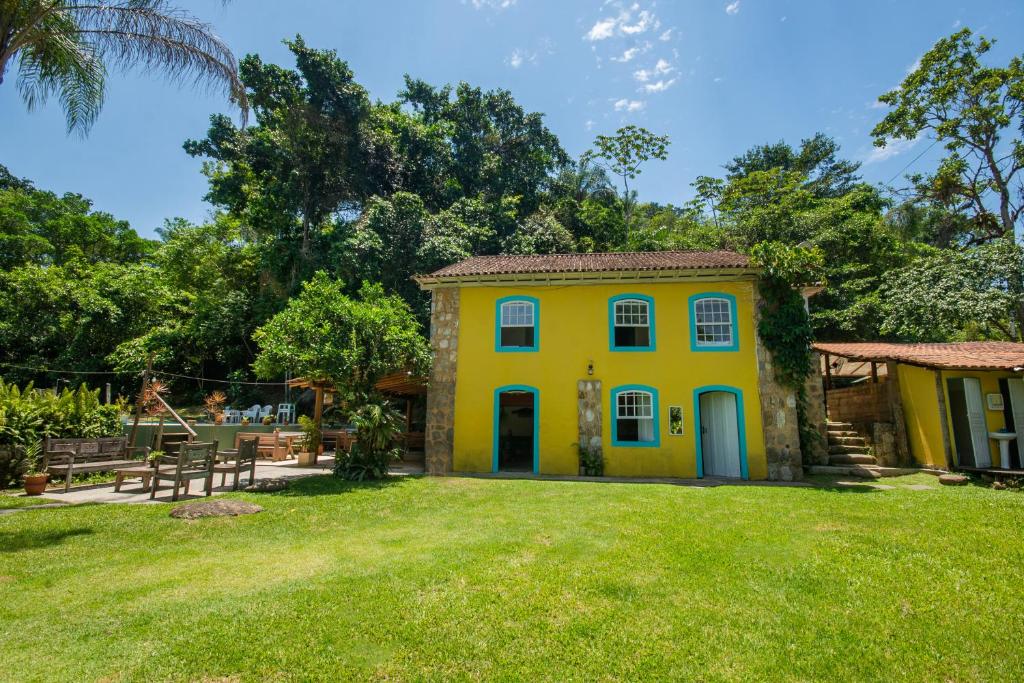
[[402, 384]]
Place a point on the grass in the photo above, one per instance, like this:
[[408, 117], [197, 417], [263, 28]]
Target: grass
[[14, 499], [490, 579]]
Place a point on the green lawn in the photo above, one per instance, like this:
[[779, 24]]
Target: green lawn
[[523, 580]]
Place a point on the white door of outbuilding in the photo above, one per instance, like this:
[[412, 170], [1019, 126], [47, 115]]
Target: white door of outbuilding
[[719, 434]]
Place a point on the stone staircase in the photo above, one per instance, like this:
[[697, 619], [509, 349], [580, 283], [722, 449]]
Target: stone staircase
[[849, 455]]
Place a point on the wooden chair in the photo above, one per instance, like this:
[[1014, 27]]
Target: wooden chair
[[193, 461], [235, 461]]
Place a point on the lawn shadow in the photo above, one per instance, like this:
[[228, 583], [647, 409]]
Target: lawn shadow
[[12, 542], [330, 485]]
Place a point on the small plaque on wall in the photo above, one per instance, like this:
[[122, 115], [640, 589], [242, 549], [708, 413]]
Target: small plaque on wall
[[995, 401]]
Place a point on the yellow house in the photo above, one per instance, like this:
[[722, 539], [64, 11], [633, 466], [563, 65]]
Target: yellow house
[[954, 406], [649, 360]]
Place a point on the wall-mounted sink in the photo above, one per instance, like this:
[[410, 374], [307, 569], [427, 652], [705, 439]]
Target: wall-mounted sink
[[1003, 438]]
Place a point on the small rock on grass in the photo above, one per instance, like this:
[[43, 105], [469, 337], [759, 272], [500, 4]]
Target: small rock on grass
[[267, 485], [215, 508], [952, 479]]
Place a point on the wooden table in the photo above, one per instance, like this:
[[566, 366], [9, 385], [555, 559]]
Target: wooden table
[[144, 472]]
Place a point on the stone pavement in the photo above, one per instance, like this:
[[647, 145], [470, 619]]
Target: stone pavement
[[131, 490]]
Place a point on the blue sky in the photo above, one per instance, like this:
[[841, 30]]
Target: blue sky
[[717, 76]]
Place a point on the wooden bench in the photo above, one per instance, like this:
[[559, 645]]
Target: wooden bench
[[67, 457], [270, 444]]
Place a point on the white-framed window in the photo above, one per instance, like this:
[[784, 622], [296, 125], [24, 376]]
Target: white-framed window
[[713, 322], [517, 324], [632, 323], [634, 416]]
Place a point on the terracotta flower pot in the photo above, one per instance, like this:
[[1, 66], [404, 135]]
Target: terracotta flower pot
[[35, 484]]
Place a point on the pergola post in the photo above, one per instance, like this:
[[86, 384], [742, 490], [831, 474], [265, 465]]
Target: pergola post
[[318, 414]]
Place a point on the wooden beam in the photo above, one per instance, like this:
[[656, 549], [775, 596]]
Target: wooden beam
[[177, 418], [318, 414], [874, 372], [940, 395], [141, 399], [828, 372]]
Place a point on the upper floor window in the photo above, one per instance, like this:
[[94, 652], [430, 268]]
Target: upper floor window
[[635, 423], [631, 322], [713, 322], [517, 319]]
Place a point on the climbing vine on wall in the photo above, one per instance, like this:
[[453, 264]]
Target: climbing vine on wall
[[785, 328]]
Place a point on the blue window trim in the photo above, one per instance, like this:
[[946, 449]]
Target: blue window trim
[[611, 322], [692, 305], [497, 325], [740, 426], [615, 416], [536, 423]]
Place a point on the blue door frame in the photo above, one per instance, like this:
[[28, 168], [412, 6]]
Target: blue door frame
[[740, 426], [536, 423]]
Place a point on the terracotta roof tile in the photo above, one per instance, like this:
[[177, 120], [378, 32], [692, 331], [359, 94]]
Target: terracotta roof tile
[[593, 263], [959, 356]]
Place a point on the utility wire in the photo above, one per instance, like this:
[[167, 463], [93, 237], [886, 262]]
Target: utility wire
[[128, 372], [912, 161]]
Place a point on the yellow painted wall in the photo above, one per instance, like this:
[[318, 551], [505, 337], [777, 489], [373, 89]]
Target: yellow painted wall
[[921, 410], [573, 331]]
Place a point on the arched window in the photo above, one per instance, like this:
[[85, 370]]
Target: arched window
[[713, 322], [516, 323], [635, 420], [631, 323]]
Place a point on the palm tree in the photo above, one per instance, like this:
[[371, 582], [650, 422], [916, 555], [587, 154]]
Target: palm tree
[[63, 48]]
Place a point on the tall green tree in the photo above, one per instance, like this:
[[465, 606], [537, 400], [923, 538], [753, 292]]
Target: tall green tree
[[325, 335], [817, 159], [977, 112], [65, 47], [624, 154], [304, 160]]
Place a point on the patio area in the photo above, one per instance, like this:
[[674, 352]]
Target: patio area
[[132, 490]]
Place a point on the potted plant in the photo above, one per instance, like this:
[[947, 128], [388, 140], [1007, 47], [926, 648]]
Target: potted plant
[[309, 446], [35, 477], [591, 463], [245, 421], [268, 420], [214, 404]]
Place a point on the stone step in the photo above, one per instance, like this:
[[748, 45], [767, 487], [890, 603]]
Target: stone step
[[842, 433], [846, 440], [838, 425], [846, 448], [852, 459], [863, 471]]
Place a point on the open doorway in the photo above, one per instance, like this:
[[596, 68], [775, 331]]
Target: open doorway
[[970, 431], [515, 430]]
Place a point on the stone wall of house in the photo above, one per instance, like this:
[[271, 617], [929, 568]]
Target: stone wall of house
[[444, 344], [778, 416], [861, 404], [815, 389], [588, 393]]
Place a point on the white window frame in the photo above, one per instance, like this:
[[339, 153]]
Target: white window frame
[[729, 323], [638, 409]]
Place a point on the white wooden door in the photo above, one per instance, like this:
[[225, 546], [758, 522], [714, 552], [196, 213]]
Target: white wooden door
[[976, 418], [719, 434], [1017, 407]]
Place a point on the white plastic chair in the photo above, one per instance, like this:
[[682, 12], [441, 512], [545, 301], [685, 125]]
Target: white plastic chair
[[252, 413], [232, 416], [285, 413]]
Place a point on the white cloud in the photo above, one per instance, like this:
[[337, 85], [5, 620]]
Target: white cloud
[[661, 68], [879, 105], [589, 124], [644, 21], [604, 28], [515, 60], [490, 4], [660, 86], [783, 19], [893, 149], [629, 105], [667, 35], [628, 55], [956, 24], [717, 79], [733, 7]]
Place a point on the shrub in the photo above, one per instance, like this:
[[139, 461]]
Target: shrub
[[377, 426], [29, 415]]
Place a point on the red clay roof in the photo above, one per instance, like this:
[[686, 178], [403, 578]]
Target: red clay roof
[[960, 356], [593, 263]]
